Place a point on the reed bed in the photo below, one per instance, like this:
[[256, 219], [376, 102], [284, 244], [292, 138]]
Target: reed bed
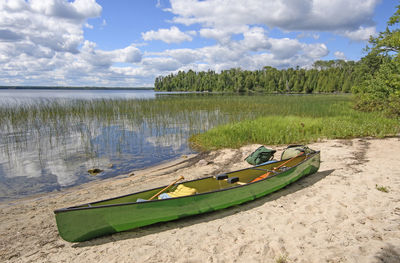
[[266, 119]]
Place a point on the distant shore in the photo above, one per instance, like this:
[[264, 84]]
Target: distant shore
[[75, 88], [346, 212]]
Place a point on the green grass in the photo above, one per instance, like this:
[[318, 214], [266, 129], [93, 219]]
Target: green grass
[[299, 120]]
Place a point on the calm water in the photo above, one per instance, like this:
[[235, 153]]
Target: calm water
[[48, 158], [11, 96]]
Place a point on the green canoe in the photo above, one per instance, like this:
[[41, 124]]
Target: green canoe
[[84, 222]]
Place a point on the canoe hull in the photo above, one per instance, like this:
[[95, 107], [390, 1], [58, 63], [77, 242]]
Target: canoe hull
[[81, 224]]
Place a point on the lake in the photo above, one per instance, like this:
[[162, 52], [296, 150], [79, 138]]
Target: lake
[[47, 153], [49, 139]]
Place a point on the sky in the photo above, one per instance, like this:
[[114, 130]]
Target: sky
[[127, 43]]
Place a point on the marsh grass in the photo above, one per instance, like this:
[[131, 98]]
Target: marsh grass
[[265, 119]]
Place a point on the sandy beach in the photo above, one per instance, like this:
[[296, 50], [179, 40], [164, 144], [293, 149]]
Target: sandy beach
[[335, 215]]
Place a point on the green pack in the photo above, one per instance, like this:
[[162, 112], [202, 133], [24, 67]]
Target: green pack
[[261, 155], [294, 150]]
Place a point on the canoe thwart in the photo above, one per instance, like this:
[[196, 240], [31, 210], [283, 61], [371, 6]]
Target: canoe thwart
[[232, 180], [221, 176]]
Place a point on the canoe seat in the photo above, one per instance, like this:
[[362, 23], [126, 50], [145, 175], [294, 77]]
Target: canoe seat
[[181, 190]]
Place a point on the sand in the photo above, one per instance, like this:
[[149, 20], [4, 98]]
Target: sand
[[335, 215]]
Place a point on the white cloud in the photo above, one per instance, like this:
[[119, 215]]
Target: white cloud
[[285, 48], [161, 63], [45, 24], [172, 35], [246, 53], [184, 56], [78, 10], [42, 42], [360, 34], [339, 55], [87, 25], [255, 39], [221, 36], [315, 51], [320, 15]]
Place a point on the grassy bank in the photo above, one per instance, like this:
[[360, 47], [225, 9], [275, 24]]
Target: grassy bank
[[299, 121]]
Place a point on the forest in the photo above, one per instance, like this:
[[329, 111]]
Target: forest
[[324, 77]]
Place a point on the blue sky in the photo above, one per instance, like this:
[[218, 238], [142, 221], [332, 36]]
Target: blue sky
[[129, 43]]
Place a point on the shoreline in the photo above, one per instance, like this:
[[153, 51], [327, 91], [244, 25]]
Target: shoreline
[[334, 215], [162, 166]]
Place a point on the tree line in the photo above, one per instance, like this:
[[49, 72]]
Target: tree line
[[324, 76]]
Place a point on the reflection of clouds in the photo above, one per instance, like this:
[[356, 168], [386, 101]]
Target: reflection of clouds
[[34, 95], [59, 168], [169, 140], [25, 167], [64, 159], [130, 126], [20, 164], [30, 168]]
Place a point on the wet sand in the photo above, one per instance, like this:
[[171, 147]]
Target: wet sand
[[335, 215]]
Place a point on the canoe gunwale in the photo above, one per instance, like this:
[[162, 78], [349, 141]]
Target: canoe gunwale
[[90, 206]]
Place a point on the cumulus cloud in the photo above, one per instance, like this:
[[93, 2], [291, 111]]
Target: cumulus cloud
[[184, 56], [246, 53], [42, 42], [285, 48], [222, 18], [46, 24], [221, 36], [339, 55], [319, 15], [255, 39], [78, 10], [360, 34], [316, 51], [172, 35]]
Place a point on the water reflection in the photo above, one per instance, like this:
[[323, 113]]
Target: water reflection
[[41, 152], [32, 95], [48, 143]]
